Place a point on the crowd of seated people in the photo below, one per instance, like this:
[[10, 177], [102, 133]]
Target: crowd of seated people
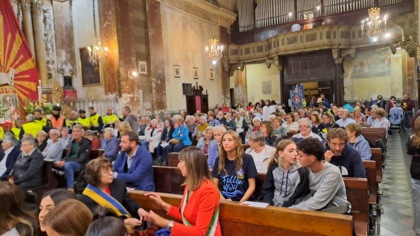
[[303, 156]]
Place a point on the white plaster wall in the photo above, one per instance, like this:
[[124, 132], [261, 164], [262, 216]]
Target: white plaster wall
[[184, 39], [84, 36], [255, 75]]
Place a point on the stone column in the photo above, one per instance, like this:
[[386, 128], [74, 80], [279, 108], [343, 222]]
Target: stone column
[[157, 65], [38, 27], [27, 24]]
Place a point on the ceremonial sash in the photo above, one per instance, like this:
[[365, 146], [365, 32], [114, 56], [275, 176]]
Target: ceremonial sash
[[211, 231], [105, 200]]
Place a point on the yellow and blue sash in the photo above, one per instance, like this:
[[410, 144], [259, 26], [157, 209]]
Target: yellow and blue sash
[[105, 200]]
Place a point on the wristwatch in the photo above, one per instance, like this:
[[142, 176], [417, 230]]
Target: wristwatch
[[170, 225]]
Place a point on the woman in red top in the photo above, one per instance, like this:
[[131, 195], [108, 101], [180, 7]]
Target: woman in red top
[[225, 108], [199, 208]]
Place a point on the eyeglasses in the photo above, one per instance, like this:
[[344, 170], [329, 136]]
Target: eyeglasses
[[303, 126]]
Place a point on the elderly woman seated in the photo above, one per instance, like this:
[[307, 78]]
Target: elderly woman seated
[[207, 140], [380, 120], [357, 141], [95, 143], [105, 191], [305, 128], [259, 150], [110, 144], [54, 149]]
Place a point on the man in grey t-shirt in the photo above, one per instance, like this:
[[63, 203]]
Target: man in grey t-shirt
[[325, 181], [131, 119]]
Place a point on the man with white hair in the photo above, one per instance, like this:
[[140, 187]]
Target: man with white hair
[[8, 156], [110, 144], [305, 131], [30, 127], [344, 120]]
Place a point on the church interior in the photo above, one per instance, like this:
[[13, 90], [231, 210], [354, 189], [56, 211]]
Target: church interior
[[162, 57], [150, 51]]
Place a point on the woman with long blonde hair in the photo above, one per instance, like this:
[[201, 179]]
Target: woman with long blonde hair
[[234, 171], [286, 181]]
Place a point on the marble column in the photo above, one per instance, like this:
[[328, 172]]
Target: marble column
[[157, 65], [225, 90], [27, 24], [38, 26], [339, 83]]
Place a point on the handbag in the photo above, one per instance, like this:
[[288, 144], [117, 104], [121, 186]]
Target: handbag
[[174, 141]]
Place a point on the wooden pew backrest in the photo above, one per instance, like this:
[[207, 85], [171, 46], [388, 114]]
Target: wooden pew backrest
[[244, 220], [357, 192], [377, 156], [370, 167]]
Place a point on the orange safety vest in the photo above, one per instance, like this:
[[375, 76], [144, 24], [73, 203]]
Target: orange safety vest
[[57, 123]]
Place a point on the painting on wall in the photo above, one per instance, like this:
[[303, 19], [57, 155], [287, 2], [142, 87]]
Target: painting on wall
[[11, 107], [211, 74], [195, 72], [143, 67], [177, 73], [372, 64], [90, 72]]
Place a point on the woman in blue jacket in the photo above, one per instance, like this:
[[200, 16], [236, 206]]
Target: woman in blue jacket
[[179, 141]]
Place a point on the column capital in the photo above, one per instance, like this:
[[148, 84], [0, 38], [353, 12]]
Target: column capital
[[38, 4], [26, 4]]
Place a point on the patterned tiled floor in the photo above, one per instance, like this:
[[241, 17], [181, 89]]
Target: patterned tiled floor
[[397, 212]]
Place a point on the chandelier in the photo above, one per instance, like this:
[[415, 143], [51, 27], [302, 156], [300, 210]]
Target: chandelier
[[214, 51], [96, 51], [373, 25]]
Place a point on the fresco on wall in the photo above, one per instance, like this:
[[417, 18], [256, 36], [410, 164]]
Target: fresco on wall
[[372, 63]]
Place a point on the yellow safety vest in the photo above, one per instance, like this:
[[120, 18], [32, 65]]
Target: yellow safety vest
[[70, 123], [94, 120], [32, 128], [1, 133], [16, 132], [42, 122], [85, 122], [109, 119]]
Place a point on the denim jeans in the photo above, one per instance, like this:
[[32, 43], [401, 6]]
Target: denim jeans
[[69, 169], [415, 184], [408, 115]]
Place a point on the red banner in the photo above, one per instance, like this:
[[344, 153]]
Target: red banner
[[18, 72]]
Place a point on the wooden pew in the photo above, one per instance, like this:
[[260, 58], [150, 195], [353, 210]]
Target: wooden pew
[[377, 157], [49, 181], [357, 191], [173, 159], [244, 220], [372, 134], [370, 167], [169, 180]]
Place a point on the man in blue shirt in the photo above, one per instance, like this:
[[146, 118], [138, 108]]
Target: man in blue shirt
[[134, 164]]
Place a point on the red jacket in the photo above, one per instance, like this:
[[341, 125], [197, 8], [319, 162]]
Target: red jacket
[[199, 211], [407, 105]]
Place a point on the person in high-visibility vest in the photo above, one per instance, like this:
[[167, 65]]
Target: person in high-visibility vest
[[30, 127], [109, 119], [83, 120], [96, 123], [57, 120], [17, 128], [1, 133], [71, 120], [40, 119]]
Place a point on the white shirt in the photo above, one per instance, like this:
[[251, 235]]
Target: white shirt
[[344, 123], [267, 110], [3, 166], [261, 158]]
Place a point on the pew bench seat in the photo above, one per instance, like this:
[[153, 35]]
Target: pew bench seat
[[241, 220]]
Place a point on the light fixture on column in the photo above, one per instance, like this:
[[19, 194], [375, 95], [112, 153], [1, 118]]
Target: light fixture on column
[[213, 50], [373, 25], [97, 51]]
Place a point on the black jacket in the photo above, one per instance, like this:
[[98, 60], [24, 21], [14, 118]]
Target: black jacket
[[10, 162], [414, 151], [83, 156], [350, 163], [28, 170], [167, 136], [118, 192]]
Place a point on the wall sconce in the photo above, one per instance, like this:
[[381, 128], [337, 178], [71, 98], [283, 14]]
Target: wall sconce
[[318, 6], [134, 73], [290, 13]]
